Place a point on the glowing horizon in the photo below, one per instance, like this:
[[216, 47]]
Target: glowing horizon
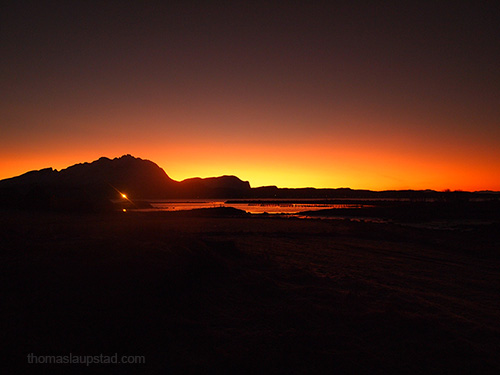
[[353, 174], [361, 96]]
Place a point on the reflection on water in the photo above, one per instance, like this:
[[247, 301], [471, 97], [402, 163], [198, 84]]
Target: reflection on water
[[270, 207], [176, 205], [350, 209]]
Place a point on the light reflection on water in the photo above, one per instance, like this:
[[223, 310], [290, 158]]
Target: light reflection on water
[[271, 207]]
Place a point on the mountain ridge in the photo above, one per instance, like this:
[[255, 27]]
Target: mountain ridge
[[86, 185], [107, 178]]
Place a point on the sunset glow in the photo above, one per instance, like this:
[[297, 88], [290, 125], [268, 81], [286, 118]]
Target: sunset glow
[[367, 99]]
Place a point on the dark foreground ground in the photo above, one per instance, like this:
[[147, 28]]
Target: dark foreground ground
[[249, 294]]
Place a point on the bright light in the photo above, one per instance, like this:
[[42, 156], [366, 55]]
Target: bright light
[[124, 210], [124, 196]]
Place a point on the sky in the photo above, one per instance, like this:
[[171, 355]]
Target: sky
[[367, 95]]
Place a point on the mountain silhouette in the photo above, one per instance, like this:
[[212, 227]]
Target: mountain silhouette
[[136, 176], [82, 185], [214, 187], [93, 186]]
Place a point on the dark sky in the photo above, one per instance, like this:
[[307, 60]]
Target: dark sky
[[361, 94]]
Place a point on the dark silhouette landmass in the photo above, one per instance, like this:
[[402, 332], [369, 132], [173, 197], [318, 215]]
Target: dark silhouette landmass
[[92, 186]]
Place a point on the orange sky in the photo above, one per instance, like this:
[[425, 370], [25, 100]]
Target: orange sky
[[368, 97], [358, 164]]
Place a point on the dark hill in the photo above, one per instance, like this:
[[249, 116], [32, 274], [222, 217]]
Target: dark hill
[[86, 186], [137, 177], [134, 176], [214, 187]]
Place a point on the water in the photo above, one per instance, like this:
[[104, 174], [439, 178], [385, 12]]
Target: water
[[267, 206]]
